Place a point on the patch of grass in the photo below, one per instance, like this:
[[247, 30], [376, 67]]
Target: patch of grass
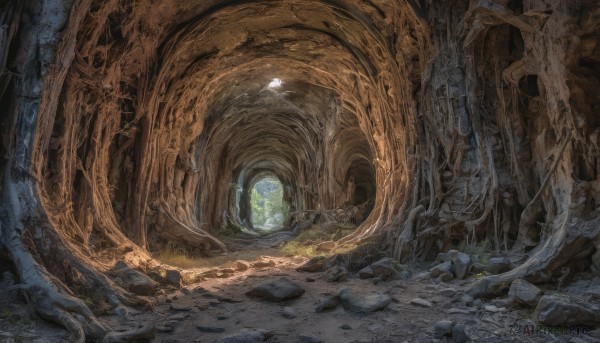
[[297, 248], [178, 258], [305, 244]]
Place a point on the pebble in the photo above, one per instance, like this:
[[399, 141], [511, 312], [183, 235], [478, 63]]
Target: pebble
[[491, 308], [346, 327], [420, 302]]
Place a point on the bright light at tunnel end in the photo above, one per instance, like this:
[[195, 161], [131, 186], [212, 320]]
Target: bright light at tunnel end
[[275, 83]]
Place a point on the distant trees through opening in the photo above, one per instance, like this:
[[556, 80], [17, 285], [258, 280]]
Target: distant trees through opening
[[269, 210]]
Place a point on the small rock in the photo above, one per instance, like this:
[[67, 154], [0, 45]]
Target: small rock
[[180, 307], [308, 339], [360, 303], [445, 277], [277, 290], [460, 262], [345, 327], [263, 264], [437, 270], [459, 335], [457, 311], [467, 300], [328, 303], [491, 308], [500, 303], [385, 269], [498, 265], [133, 280], [442, 328], [315, 264], [289, 312], [523, 293], [222, 317], [365, 273], [420, 302], [336, 274], [240, 266], [210, 328], [173, 277], [447, 292], [326, 246], [247, 336], [558, 309], [309, 279]]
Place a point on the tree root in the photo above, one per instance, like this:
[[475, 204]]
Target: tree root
[[571, 241]]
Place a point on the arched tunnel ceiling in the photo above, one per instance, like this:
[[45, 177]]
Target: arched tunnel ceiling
[[197, 115], [447, 124]]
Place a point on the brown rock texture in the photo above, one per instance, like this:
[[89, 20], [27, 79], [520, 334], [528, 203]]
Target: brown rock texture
[[131, 125]]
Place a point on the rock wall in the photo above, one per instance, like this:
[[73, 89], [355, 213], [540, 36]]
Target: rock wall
[[128, 124]]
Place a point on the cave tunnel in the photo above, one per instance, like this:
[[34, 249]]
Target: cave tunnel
[[159, 138]]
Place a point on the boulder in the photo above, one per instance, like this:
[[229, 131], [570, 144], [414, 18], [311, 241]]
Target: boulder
[[385, 269], [443, 328], [360, 303], [439, 269], [365, 273], [459, 335], [523, 293], [132, 280], [328, 303], [277, 290], [559, 309], [460, 263], [498, 265], [315, 264], [336, 274], [173, 277]]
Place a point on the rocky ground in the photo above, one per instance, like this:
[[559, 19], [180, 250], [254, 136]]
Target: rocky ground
[[268, 299]]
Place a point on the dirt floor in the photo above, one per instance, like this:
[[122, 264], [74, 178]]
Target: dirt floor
[[220, 304]]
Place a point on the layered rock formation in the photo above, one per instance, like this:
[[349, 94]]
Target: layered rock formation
[[128, 124]]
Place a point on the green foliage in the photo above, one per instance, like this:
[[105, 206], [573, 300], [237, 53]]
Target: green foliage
[[268, 207]]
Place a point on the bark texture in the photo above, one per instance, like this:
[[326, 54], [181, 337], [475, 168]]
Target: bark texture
[[129, 125]]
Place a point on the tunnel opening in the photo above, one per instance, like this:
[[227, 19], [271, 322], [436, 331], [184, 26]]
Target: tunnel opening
[[268, 209]]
